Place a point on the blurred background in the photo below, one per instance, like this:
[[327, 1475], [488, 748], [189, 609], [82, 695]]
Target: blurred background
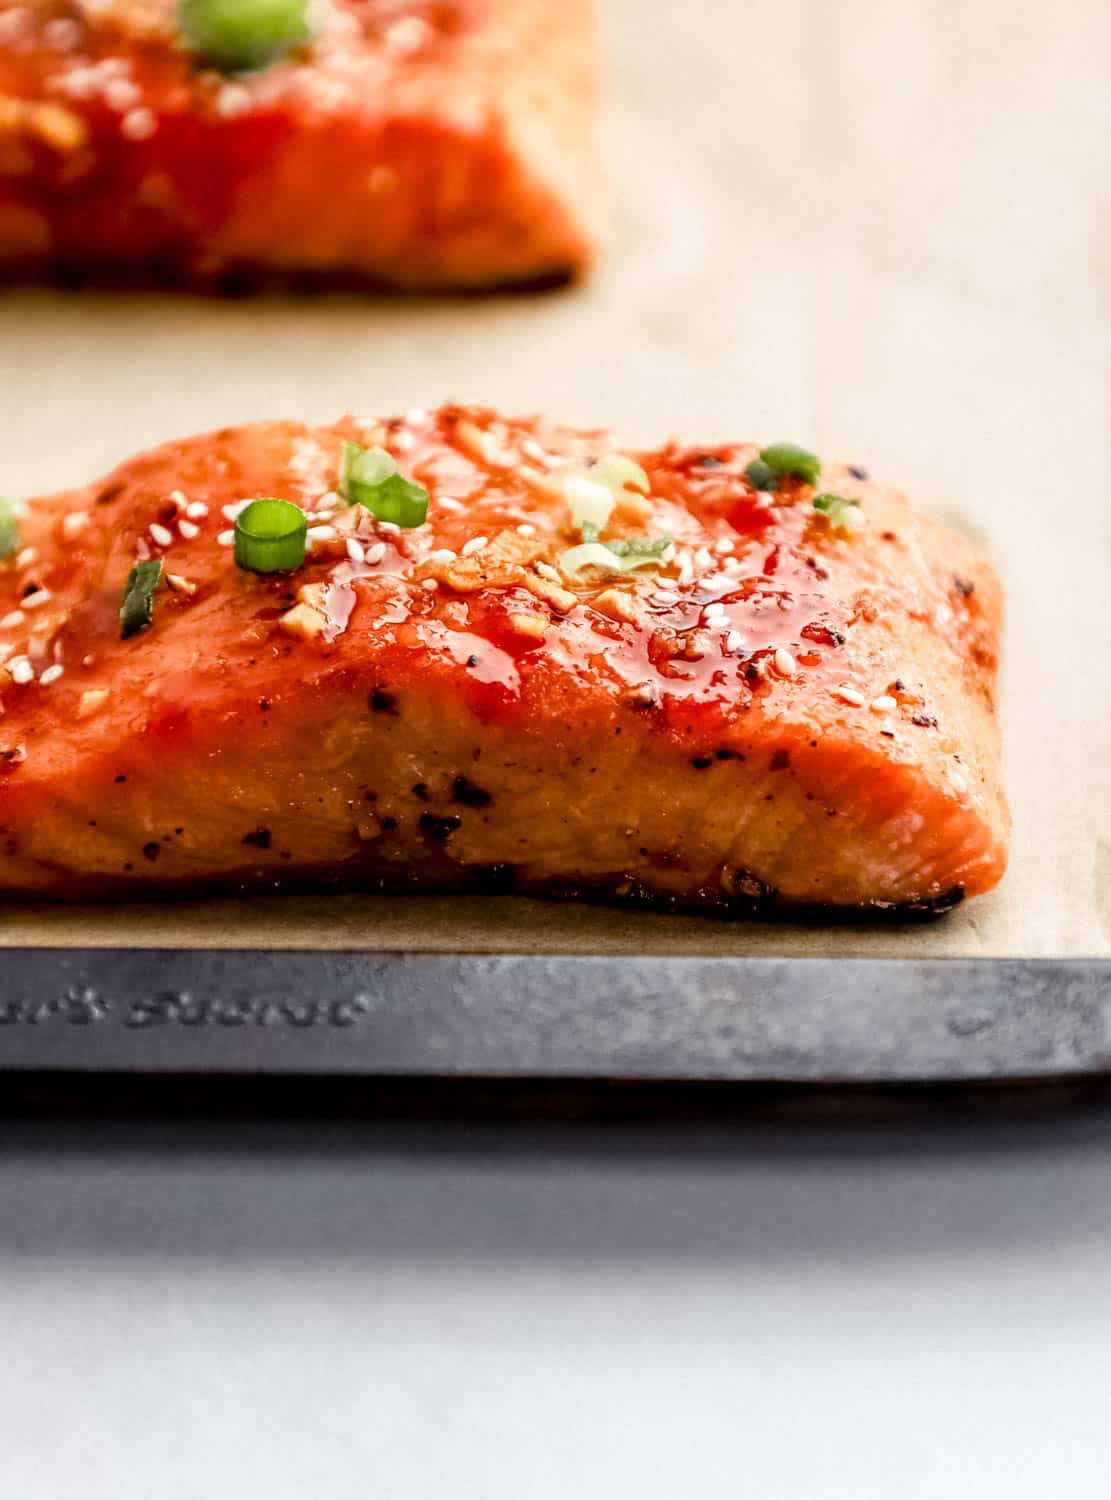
[[883, 228]]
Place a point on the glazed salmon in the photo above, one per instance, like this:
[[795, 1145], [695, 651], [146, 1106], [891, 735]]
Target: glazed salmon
[[696, 676], [411, 143]]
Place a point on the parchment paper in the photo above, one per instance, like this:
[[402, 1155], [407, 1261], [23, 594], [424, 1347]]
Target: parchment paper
[[879, 228]]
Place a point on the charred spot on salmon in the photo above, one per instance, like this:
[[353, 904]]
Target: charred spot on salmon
[[110, 493], [152, 850], [439, 829], [259, 839], [858, 473], [924, 720], [469, 794], [964, 586], [420, 791], [700, 762], [472, 660], [382, 702], [709, 461]]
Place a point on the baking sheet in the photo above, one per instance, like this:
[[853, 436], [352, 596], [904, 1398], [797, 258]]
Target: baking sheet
[[881, 229]]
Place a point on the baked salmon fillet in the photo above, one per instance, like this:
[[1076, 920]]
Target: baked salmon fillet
[[457, 650], [220, 143]]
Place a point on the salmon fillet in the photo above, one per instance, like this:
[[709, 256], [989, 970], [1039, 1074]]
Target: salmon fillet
[[410, 143], [732, 700]]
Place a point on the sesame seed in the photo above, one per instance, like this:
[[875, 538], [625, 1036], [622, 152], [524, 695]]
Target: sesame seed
[[62, 34], [734, 640], [376, 553], [138, 124], [389, 528], [161, 534], [39, 597], [441, 555], [703, 558], [25, 558], [188, 529], [12, 621], [526, 528], [785, 663], [403, 441], [178, 499], [665, 596], [416, 415], [451, 504], [74, 524], [121, 95], [196, 510], [714, 611], [723, 545], [430, 585], [321, 515], [532, 449], [475, 544], [21, 671], [226, 539], [322, 533], [686, 570], [51, 675], [355, 550], [329, 498], [232, 99], [883, 704], [235, 509], [850, 695]]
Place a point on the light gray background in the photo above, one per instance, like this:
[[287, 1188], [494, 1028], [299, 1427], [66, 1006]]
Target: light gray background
[[880, 225], [522, 1314]]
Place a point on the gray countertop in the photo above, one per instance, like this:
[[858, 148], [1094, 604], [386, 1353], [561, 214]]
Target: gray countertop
[[477, 1311]]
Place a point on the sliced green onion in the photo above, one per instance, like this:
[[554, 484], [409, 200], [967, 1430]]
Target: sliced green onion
[[11, 538], [617, 473], [591, 503], [368, 476], [761, 476], [845, 515], [616, 556], [647, 548], [271, 536], [137, 609], [789, 460], [236, 35]]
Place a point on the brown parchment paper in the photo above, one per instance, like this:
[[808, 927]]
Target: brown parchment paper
[[882, 230]]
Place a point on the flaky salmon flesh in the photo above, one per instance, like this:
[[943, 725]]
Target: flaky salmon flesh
[[687, 676], [410, 143]]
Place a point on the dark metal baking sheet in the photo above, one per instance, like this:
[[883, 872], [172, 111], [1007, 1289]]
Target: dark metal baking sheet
[[543, 1016]]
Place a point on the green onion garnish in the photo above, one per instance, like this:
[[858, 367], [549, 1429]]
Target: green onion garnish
[[137, 609], [11, 538], [368, 476], [789, 460], [761, 476], [271, 536], [236, 35], [619, 556], [845, 515]]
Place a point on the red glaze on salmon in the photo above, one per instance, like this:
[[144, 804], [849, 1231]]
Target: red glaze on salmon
[[778, 714], [414, 143]]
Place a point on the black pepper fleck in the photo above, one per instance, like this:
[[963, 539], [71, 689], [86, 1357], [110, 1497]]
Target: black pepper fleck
[[260, 839], [469, 794], [437, 828], [382, 702], [151, 851]]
